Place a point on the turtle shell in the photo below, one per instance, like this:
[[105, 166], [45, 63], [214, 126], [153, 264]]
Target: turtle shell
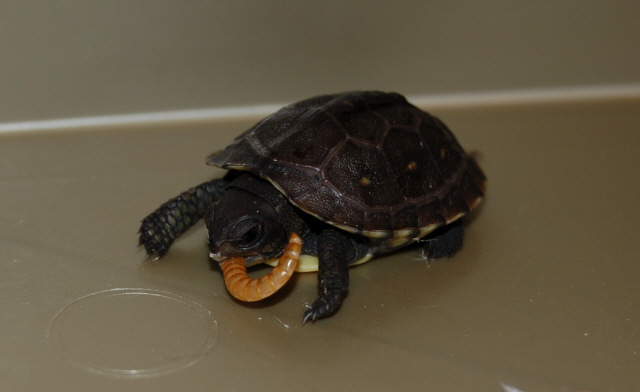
[[366, 162]]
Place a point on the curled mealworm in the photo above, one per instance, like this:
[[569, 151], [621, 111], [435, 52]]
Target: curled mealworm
[[244, 288]]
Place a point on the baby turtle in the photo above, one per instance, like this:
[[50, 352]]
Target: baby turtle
[[334, 179]]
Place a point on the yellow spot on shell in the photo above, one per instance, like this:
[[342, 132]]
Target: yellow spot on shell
[[364, 181], [411, 166]]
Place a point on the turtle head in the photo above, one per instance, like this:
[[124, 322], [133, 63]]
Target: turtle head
[[243, 223]]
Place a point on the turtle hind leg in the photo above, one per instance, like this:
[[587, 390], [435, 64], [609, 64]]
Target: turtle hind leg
[[445, 241], [160, 228], [335, 250]]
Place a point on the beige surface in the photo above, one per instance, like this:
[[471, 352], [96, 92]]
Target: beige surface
[[544, 296], [85, 58]]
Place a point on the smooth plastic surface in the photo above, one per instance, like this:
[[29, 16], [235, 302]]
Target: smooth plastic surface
[[543, 297]]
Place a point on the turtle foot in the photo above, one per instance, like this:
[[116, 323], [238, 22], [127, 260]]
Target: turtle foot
[[445, 241], [154, 242], [323, 306]]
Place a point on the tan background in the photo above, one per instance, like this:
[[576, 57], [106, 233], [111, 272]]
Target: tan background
[[83, 58], [543, 297]]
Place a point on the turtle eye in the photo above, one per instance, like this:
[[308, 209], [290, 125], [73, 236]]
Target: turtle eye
[[246, 233]]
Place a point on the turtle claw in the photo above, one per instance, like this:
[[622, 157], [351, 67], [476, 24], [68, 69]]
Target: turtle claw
[[149, 255], [308, 316], [153, 244], [324, 306]]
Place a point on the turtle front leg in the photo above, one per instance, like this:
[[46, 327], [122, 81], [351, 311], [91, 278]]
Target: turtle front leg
[[160, 228], [335, 251]]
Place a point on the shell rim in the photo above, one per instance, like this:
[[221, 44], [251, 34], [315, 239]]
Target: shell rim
[[376, 234]]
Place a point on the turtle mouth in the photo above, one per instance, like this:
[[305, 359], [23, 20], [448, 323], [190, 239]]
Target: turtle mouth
[[249, 260], [254, 259]]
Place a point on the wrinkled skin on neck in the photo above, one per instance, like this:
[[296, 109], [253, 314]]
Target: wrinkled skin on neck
[[252, 223]]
